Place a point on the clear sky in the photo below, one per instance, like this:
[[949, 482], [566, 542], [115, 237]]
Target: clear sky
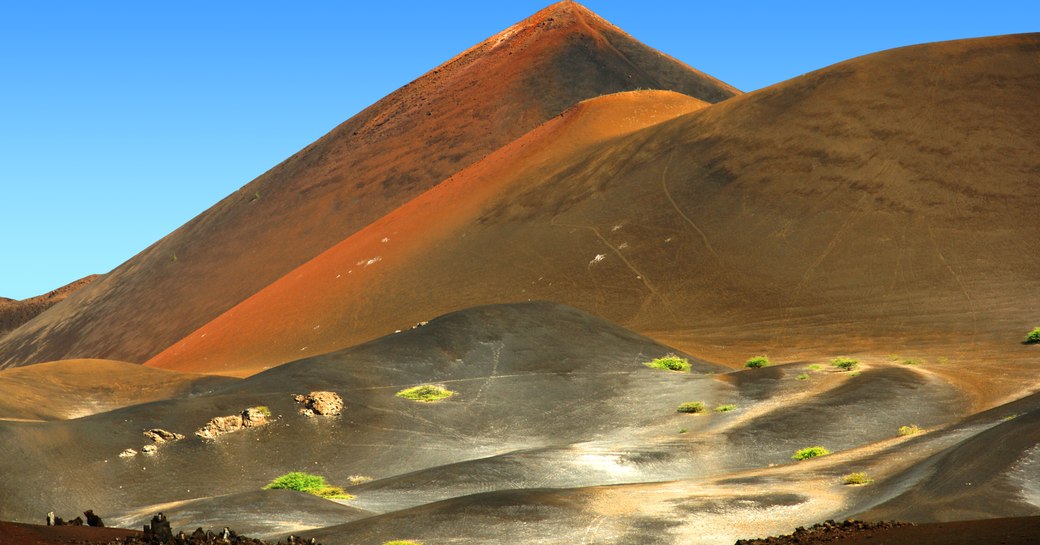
[[120, 121]]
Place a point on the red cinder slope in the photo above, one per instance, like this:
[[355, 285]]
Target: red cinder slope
[[313, 309], [386, 155], [883, 204]]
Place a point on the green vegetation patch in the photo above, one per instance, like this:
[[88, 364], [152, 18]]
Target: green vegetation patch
[[311, 484], [757, 362], [402, 542], [856, 479], [426, 393], [692, 407], [810, 452], [802, 376], [912, 429], [725, 408], [264, 410], [1033, 337], [845, 363], [813, 367], [671, 362]]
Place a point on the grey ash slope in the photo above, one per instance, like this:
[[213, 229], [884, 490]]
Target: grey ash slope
[[554, 418], [527, 375]]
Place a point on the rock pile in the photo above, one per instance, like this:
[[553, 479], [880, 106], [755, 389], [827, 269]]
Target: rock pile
[[250, 418], [825, 532], [160, 436], [320, 403]]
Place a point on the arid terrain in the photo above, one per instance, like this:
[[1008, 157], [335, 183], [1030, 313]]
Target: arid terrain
[[528, 226]]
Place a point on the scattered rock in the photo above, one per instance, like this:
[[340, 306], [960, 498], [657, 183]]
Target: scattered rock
[[159, 533], [128, 453], [93, 520], [255, 416], [825, 532], [320, 403], [149, 449], [160, 436], [250, 418]]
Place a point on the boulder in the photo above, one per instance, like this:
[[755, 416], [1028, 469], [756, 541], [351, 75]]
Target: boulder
[[160, 436], [320, 403], [128, 453]]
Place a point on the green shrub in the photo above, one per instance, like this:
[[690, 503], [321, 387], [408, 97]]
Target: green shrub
[[912, 429], [425, 393], [264, 410], [683, 430], [757, 362], [311, 484], [802, 376], [692, 407], [856, 479], [813, 367], [810, 452], [725, 408], [1033, 337], [299, 481], [845, 363], [671, 362], [911, 361]]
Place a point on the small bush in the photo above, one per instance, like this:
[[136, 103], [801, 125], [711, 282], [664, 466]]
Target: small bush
[[912, 429], [355, 480], [844, 363], [683, 430], [311, 484], [757, 362], [1033, 337], [299, 481], [333, 493], [810, 452], [671, 362], [725, 408], [856, 479], [426, 393], [813, 367], [264, 410], [692, 407], [802, 376], [911, 361]]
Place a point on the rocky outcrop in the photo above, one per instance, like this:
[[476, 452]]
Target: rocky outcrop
[[160, 436], [128, 453], [250, 418], [320, 403]]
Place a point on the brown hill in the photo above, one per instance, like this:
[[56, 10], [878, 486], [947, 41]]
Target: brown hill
[[883, 204], [75, 388], [315, 302], [14, 313], [379, 159]]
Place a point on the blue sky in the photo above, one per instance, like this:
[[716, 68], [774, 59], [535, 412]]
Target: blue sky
[[120, 121]]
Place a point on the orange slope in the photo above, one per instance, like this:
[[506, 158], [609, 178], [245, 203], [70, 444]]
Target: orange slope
[[310, 310], [381, 158], [886, 204]]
